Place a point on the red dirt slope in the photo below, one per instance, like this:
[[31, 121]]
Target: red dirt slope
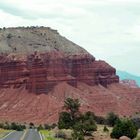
[[19, 105]]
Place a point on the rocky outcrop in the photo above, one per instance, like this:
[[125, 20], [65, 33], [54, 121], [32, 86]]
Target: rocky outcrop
[[129, 82], [40, 72]]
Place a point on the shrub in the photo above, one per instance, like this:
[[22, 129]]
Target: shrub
[[105, 129], [53, 126], [65, 121], [7, 126], [31, 125], [136, 121], [13, 126], [47, 127], [112, 119], [76, 135], [60, 134], [86, 123], [9, 36], [100, 120], [1, 125], [18, 127], [40, 127], [124, 128]]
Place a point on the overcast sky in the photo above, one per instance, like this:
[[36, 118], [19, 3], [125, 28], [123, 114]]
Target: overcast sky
[[108, 29]]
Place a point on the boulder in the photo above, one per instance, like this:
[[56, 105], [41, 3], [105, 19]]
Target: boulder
[[124, 138]]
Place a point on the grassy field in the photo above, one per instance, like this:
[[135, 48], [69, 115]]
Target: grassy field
[[4, 132]]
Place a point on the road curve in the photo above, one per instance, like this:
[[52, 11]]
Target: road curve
[[14, 136], [32, 134]]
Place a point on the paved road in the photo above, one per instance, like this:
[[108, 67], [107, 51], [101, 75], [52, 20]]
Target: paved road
[[14, 136], [32, 134]]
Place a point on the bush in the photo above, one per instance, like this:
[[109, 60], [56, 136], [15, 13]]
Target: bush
[[40, 127], [53, 126], [136, 121], [124, 128], [105, 129], [7, 126], [76, 135], [65, 121], [100, 120], [1, 125], [47, 127], [12, 126], [60, 134], [112, 119], [18, 127], [9, 36], [31, 125]]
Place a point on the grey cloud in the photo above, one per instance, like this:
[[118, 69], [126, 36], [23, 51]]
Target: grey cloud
[[34, 14]]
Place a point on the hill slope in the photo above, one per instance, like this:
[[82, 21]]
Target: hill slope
[[21, 106], [27, 40]]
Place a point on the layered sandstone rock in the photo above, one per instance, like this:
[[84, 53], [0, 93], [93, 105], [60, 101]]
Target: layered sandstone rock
[[39, 73], [39, 59]]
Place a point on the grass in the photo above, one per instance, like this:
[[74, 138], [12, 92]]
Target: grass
[[98, 135], [138, 136], [4, 132], [48, 135]]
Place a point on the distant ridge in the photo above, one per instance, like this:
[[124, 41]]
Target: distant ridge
[[125, 75]]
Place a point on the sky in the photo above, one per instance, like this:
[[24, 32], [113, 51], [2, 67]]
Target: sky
[[108, 29]]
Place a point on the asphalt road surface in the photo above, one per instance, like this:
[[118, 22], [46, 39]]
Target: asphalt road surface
[[15, 136], [32, 134]]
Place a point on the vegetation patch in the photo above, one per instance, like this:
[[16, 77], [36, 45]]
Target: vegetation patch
[[49, 135], [3, 133]]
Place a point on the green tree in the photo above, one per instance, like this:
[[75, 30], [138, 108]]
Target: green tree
[[71, 118], [124, 127], [65, 121], [112, 118], [72, 106], [86, 124]]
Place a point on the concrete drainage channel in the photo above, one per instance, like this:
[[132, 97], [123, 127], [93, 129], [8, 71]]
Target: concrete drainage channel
[[29, 134]]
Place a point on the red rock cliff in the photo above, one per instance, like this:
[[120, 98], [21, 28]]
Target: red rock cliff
[[40, 72]]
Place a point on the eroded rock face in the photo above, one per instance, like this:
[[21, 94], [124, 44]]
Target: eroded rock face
[[129, 82], [40, 72]]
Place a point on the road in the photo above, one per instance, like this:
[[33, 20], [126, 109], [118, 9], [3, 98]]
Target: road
[[31, 134], [14, 136]]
